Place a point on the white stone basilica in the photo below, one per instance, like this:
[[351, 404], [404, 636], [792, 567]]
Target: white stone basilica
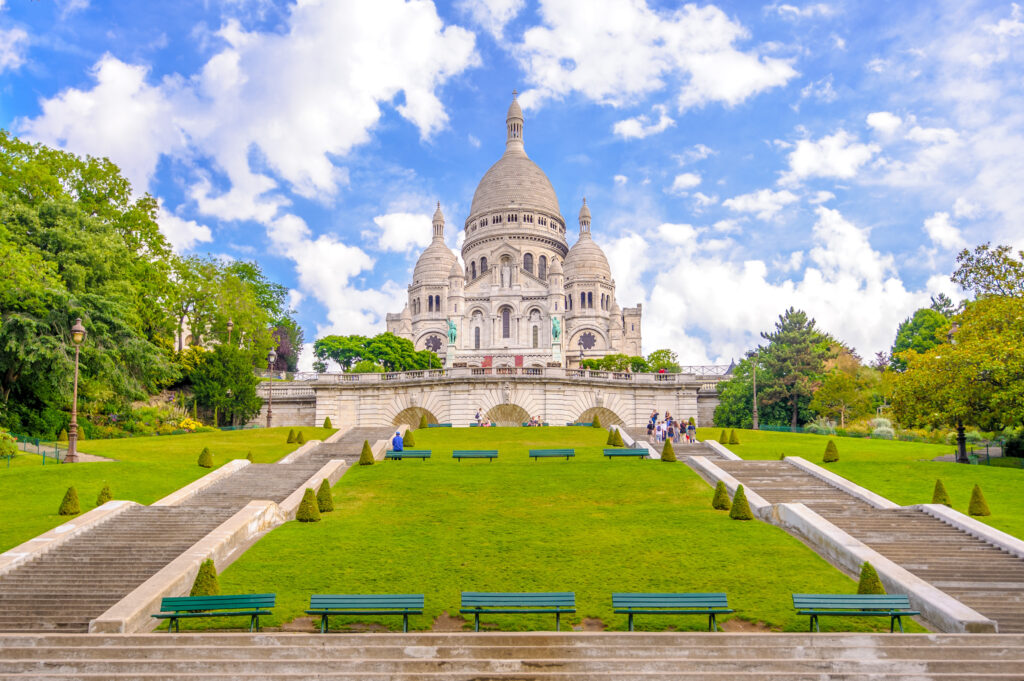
[[525, 298]]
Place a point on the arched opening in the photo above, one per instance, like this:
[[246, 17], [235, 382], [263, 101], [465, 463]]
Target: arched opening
[[476, 338], [583, 300], [437, 303], [536, 337], [430, 303], [410, 416], [590, 300], [472, 270], [542, 267], [506, 322], [508, 415], [483, 265], [607, 416], [528, 263]]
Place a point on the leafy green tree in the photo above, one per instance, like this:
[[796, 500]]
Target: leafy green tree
[[366, 366], [346, 351], [942, 304], [224, 381], [794, 361], [841, 396], [663, 359], [923, 331], [991, 271]]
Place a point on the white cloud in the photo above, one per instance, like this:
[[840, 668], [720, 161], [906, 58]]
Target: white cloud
[[765, 203], [821, 90], [615, 52], [473, 141], [943, 233], [401, 232], [963, 208], [933, 135], [703, 200], [816, 9], [183, 234], [491, 15], [821, 197], [839, 156], [884, 122], [640, 127], [1009, 28], [728, 226], [621, 180], [698, 152], [684, 182], [13, 45], [69, 7]]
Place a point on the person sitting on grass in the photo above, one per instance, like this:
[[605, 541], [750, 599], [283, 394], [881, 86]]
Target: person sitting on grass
[[396, 443]]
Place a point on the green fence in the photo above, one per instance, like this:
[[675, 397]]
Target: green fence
[[51, 452]]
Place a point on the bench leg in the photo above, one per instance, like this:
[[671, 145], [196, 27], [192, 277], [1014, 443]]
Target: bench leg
[[476, 621], [323, 624], [558, 621], [896, 619], [631, 621], [405, 623], [712, 624]]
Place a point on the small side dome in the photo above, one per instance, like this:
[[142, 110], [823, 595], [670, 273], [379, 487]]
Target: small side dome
[[556, 267], [434, 264]]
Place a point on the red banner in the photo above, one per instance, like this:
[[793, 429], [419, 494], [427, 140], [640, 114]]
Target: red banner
[[519, 360], [488, 361]]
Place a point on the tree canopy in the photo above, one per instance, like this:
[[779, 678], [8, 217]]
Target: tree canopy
[[923, 331], [387, 351], [794, 361]]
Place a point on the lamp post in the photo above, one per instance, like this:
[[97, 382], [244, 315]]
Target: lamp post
[[231, 325], [961, 437], [271, 358], [757, 356], [77, 336]]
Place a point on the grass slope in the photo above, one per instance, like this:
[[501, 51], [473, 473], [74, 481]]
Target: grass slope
[[147, 468], [900, 471], [590, 525]]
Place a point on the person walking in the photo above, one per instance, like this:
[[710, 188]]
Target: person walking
[[691, 432]]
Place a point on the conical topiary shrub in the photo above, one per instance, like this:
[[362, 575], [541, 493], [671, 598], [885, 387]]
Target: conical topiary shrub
[[940, 495], [408, 440], [206, 580], [692, 421], [869, 582], [723, 438], [423, 421], [611, 437], [104, 496], [205, 458], [740, 507], [248, 457], [618, 438], [291, 436], [324, 502], [782, 456], [300, 438], [63, 436], [308, 511], [668, 453], [978, 505], [597, 421], [831, 453], [366, 456], [70, 504], [733, 440], [327, 422], [721, 499]]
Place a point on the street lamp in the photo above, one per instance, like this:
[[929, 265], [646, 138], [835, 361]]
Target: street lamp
[[231, 325], [961, 437], [271, 358], [757, 356], [77, 336]]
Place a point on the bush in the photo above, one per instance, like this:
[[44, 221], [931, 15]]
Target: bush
[[291, 437], [1014, 445], [610, 442], [879, 422], [324, 502], [63, 436], [327, 422], [723, 439], [423, 421], [831, 452], [733, 440], [869, 582], [206, 580], [740, 506], [882, 432], [668, 453], [409, 440], [191, 425], [978, 505], [940, 496], [165, 429], [248, 457], [104, 496], [782, 456], [618, 439], [300, 438], [597, 421], [70, 504], [205, 458], [721, 499], [692, 421], [366, 456], [308, 511], [821, 426]]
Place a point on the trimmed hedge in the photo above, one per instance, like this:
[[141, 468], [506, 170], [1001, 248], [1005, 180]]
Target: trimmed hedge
[[104, 496], [978, 505], [69, 506], [733, 440], [409, 440], [327, 422], [597, 421], [940, 495], [721, 501], [205, 458], [291, 436], [869, 582], [300, 438], [206, 583], [423, 421], [668, 453], [723, 439], [618, 439], [831, 452], [248, 457], [740, 506], [366, 456], [308, 511], [324, 502]]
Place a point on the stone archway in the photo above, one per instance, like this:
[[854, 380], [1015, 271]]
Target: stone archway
[[410, 416], [508, 415], [607, 416]]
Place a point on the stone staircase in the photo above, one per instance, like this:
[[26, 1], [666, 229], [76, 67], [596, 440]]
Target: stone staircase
[[969, 569], [682, 449], [519, 656], [64, 589]]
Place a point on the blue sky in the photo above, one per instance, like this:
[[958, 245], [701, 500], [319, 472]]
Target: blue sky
[[738, 158]]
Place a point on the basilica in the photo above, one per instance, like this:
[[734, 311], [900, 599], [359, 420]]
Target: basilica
[[524, 298]]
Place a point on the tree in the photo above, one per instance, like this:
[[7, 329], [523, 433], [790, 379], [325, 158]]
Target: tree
[[919, 333], [991, 271], [663, 359], [206, 583], [794, 361], [224, 381], [942, 304], [841, 396], [736, 400]]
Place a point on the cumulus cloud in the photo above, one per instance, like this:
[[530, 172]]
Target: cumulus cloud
[[183, 234], [614, 52], [401, 232], [820, 90], [884, 122], [837, 156], [684, 182], [639, 127], [13, 45], [764, 203], [1009, 28], [491, 15], [815, 9], [620, 180], [943, 233]]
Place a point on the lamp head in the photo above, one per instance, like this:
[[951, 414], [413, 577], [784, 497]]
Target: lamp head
[[231, 324], [77, 332], [271, 357]]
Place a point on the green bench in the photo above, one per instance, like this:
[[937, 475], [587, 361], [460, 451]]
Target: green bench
[[493, 603], [489, 454], [711, 604], [635, 453], [182, 607], [365, 604], [893, 606], [421, 454], [578, 423], [551, 453], [526, 424], [439, 425]]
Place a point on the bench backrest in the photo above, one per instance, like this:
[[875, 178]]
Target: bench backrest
[[239, 602], [492, 599], [409, 452], [366, 601], [694, 600], [439, 425], [589, 425], [552, 452], [626, 452], [474, 452], [851, 602]]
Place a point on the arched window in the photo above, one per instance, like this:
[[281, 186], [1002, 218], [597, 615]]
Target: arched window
[[590, 300], [506, 323], [437, 303], [536, 337], [472, 270], [583, 300], [542, 267], [476, 338], [528, 263], [483, 265], [430, 303]]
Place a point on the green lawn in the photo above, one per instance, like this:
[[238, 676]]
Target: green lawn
[[147, 468], [590, 525], [900, 471]]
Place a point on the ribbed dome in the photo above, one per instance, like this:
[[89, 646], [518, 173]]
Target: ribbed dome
[[435, 264], [514, 181], [586, 259]]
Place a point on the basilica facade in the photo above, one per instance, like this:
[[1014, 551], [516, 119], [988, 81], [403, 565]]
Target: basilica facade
[[524, 297]]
